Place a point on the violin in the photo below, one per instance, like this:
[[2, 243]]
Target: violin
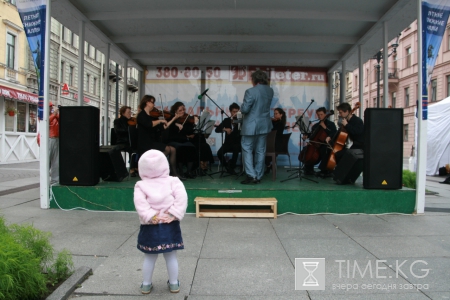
[[132, 121], [186, 118], [156, 113]]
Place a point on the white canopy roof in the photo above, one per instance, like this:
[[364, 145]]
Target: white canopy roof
[[317, 33]]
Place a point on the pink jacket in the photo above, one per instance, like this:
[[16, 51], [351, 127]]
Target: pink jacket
[[158, 193]]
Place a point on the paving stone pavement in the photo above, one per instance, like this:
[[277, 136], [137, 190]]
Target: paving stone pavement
[[366, 256]]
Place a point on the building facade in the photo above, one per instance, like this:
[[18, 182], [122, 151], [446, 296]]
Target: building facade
[[403, 90], [19, 86]]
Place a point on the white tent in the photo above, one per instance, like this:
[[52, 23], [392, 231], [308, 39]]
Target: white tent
[[438, 145]]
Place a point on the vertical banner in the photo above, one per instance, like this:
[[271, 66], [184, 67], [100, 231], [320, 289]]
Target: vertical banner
[[434, 21], [33, 16], [294, 88]]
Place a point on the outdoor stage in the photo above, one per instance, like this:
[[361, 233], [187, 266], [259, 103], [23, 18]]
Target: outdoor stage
[[296, 196]]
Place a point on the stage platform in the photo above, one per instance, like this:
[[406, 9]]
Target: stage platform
[[295, 196]]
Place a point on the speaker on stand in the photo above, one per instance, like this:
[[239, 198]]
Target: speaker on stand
[[383, 148], [79, 145]]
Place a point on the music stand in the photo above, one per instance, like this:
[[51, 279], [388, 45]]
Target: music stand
[[303, 125], [222, 171]]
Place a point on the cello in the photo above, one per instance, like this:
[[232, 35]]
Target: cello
[[339, 144], [310, 154]]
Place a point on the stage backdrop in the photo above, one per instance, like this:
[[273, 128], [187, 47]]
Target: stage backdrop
[[294, 89]]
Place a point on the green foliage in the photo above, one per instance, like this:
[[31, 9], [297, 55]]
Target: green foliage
[[28, 263], [409, 179], [20, 271], [38, 242], [61, 268]]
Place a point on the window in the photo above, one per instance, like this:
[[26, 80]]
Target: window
[[10, 50], [405, 132], [433, 90], [408, 57], [33, 118], [356, 83], [448, 38], [448, 85], [9, 120], [71, 75], [120, 96], [374, 102], [367, 76], [61, 72], [94, 87], [109, 93], [394, 99], [63, 32], [407, 97], [21, 116], [72, 39], [88, 82]]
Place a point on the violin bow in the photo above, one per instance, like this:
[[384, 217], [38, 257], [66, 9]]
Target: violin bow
[[162, 107], [191, 109]]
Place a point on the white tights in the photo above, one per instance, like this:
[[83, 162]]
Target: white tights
[[149, 266]]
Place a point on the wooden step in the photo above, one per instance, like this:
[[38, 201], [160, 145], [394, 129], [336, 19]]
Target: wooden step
[[256, 207]]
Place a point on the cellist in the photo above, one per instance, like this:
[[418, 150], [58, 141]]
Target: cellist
[[354, 126], [330, 129]]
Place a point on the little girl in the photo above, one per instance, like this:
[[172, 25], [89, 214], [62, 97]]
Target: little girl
[[160, 201]]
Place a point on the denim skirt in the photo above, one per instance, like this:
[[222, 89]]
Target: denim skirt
[[160, 238]]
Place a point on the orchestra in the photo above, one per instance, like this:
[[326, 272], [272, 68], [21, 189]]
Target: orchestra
[[175, 134]]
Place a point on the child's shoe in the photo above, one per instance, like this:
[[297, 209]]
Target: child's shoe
[[174, 288], [146, 289]]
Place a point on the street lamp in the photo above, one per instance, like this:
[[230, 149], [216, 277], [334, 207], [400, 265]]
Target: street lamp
[[379, 56]]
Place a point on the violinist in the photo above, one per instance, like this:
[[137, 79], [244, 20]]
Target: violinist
[[330, 130], [232, 139], [278, 124], [122, 138], [354, 126], [179, 135], [149, 133]]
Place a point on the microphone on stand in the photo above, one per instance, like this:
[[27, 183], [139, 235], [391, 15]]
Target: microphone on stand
[[203, 94], [239, 117]]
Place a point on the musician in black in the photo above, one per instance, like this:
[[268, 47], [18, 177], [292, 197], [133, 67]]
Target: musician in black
[[232, 139], [351, 124], [278, 125], [122, 137], [330, 130]]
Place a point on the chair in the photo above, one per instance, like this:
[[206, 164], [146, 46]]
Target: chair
[[285, 147], [270, 151], [132, 138]]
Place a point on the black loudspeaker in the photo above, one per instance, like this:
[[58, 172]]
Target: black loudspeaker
[[349, 167], [112, 166], [383, 148], [78, 145]]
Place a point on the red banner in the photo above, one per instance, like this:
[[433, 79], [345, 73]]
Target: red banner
[[18, 95]]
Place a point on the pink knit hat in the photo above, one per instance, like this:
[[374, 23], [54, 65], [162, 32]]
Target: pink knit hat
[[153, 164]]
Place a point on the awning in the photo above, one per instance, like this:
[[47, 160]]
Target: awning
[[18, 95]]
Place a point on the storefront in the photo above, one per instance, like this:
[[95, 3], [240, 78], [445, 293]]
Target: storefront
[[18, 126]]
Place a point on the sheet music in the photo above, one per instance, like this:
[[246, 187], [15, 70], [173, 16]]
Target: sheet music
[[209, 127], [204, 119], [304, 124]]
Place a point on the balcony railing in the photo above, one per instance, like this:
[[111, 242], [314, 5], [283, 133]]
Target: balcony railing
[[393, 73], [133, 85]]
